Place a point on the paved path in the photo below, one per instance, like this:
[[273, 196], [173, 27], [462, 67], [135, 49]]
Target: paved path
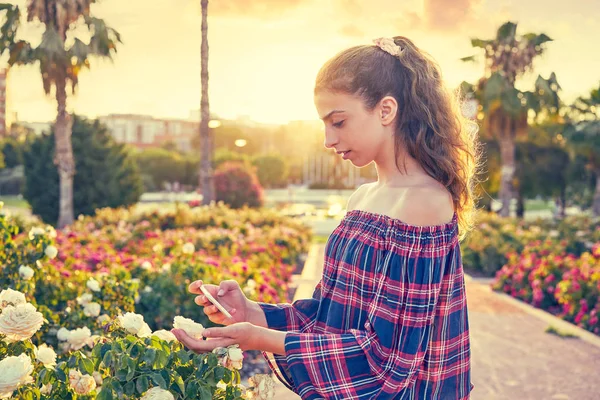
[[513, 358]]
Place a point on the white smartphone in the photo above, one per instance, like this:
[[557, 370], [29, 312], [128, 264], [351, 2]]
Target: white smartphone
[[215, 302]]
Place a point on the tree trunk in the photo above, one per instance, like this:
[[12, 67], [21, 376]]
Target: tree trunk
[[596, 203], [206, 180], [520, 205], [508, 155], [63, 155]]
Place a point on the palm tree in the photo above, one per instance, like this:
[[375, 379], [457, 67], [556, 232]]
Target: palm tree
[[59, 66], [206, 141], [506, 109], [583, 133]]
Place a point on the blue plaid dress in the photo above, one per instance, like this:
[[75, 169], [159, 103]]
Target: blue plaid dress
[[388, 320]]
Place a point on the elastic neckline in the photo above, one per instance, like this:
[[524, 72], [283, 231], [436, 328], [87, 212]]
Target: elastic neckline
[[401, 224]]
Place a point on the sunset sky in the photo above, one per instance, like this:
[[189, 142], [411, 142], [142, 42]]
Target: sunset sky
[[264, 54]]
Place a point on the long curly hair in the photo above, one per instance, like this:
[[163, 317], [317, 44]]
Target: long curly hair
[[430, 125]]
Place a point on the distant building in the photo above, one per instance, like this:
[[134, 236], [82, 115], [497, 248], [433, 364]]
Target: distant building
[[143, 131]]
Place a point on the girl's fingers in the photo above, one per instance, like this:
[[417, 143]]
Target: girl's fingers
[[201, 300]]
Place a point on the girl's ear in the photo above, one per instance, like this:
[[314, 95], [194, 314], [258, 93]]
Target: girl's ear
[[388, 109]]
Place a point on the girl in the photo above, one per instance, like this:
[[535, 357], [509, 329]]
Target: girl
[[388, 320]]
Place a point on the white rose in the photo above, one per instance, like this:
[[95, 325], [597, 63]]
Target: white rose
[[263, 386], [79, 337], [146, 265], [164, 335], [74, 376], [236, 356], [93, 285], [46, 355], [11, 297], [51, 251], [192, 328], [83, 385], [63, 334], [156, 393], [147, 289], [20, 322], [26, 272], [134, 324], [97, 377], [165, 268], [188, 248], [84, 299], [231, 357], [103, 319], [91, 309], [51, 231], [14, 372], [36, 231]]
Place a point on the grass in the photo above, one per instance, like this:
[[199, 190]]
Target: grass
[[555, 331], [538, 205], [14, 201], [320, 239]]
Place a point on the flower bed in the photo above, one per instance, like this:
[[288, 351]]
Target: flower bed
[[548, 277], [71, 297], [486, 247]]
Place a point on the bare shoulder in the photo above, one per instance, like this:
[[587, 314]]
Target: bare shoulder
[[357, 196], [425, 206]]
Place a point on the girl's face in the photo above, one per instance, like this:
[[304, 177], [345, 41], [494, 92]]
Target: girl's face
[[355, 133]]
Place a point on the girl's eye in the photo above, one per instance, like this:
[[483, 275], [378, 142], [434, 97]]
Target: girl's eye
[[338, 124]]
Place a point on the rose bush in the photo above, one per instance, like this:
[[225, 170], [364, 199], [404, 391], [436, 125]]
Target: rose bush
[[74, 303]]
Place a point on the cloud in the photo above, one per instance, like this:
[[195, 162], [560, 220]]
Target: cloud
[[448, 14], [253, 8], [352, 31]]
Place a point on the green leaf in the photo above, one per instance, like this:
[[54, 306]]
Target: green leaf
[[108, 359], [86, 365], [511, 102], [149, 356], [494, 87], [159, 380], [183, 356], [191, 390], [204, 393], [129, 388], [161, 359], [60, 375], [220, 373], [178, 382], [142, 384], [121, 375], [105, 394], [507, 32], [480, 43], [130, 368], [227, 375], [135, 351]]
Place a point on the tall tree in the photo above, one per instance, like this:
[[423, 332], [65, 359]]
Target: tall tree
[[583, 133], [506, 109], [60, 66], [206, 174]]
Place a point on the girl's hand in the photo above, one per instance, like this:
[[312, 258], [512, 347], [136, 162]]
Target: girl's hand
[[244, 334], [229, 294]]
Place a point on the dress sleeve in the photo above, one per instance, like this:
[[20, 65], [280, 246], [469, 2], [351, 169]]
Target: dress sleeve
[[298, 317], [384, 357]]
